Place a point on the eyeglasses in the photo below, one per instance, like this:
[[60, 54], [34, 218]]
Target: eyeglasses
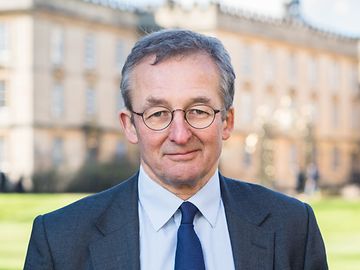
[[198, 116]]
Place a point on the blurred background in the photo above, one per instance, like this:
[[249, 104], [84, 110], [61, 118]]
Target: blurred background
[[297, 100], [297, 95]]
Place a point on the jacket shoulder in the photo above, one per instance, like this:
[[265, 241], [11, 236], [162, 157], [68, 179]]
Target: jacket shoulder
[[262, 199], [91, 207]]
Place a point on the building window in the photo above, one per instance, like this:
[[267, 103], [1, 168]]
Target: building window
[[4, 42], [246, 107], [292, 69], [334, 76], [57, 46], [314, 112], [335, 158], [90, 52], [312, 72], [246, 60], [58, 101], [270, 66], [3, 95], [120, 54], [311, 111], [90, 101], [354, 82], [58, 152], [335, 114]]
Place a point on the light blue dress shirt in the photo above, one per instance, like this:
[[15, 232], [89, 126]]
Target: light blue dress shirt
[[160, 218]]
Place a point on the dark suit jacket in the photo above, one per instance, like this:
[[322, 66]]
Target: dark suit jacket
[[268, 230]]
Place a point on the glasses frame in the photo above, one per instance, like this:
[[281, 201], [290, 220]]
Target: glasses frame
[[172, 117]]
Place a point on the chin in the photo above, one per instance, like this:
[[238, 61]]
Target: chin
[[184, 177], [183, 183]]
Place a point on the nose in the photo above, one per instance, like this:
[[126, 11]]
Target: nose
[[179, 130]]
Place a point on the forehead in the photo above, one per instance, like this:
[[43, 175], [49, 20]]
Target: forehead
[[178, 79]]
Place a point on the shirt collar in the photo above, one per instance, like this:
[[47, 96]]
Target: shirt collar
[[160, 204], [208, 199]]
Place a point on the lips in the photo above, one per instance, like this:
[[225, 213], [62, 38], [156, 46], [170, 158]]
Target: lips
[[182, 156]]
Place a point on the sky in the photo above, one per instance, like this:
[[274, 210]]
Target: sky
[[339, 16]]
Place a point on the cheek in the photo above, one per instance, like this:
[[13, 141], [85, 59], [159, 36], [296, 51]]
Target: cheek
[[150, 141], [212, 139]]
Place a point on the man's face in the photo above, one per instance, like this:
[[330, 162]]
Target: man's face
[[180, 157]]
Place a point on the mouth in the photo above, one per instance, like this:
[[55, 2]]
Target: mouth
[[182, 156]]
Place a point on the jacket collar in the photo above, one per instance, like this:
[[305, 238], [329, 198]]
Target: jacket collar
[[119, 225], [252, 245]]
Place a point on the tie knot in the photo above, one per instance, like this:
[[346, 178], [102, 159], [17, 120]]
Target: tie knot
[[188, 211]]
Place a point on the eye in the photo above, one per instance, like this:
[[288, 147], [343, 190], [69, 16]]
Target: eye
[[157, 113], [199, 111]]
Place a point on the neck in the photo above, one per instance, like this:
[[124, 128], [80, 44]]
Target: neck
[[184, 190]]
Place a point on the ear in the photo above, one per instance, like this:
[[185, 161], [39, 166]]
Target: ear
[[128, 126], [228, 124]]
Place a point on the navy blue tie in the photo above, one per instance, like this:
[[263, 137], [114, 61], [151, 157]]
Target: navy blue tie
[[189, 255]]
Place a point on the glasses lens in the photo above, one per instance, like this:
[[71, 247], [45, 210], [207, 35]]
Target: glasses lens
[[157, 118], [200, 116]]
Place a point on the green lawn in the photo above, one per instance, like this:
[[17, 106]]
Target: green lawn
[[338, 219], [17, 212]]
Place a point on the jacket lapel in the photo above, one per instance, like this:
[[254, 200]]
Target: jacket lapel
[[252, 245], [118, 248]]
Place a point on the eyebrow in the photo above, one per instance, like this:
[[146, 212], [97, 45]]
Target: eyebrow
[[154, 101], [201, 99]]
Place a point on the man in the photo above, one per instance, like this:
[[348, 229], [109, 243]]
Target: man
[[178, 212]]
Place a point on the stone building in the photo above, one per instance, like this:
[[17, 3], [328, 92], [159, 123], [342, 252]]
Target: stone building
[[297, 96], [60, 64]]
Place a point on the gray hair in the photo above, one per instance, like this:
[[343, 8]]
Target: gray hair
[[165, 44]]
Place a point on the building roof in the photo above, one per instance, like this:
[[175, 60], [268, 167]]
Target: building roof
[[286, 21]]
